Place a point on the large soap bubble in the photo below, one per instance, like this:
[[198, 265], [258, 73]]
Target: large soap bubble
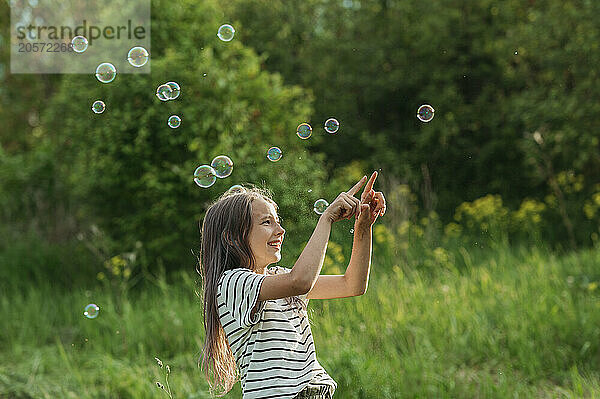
[[163, 92], [79, 43], [137, 56], [175, 90], [106, 72], [223, 166], [205, 176]]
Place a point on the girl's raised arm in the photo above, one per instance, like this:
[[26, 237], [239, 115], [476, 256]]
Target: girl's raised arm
[[307, 268]]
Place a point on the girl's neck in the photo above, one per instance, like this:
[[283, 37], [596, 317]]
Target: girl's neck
[[260, 270]]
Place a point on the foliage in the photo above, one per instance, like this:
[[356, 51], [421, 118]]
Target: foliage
[[514, 88], [132, 175], [495, 75]]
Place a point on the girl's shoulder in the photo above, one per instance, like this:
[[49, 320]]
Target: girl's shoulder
[[229, 271]]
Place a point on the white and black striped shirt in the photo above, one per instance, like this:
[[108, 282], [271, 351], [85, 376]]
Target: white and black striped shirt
[[274, 350]]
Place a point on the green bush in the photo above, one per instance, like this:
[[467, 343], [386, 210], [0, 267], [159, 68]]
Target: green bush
[[132, 175]]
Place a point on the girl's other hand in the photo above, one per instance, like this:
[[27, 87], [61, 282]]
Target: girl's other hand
[[345, 205], [372, 205]]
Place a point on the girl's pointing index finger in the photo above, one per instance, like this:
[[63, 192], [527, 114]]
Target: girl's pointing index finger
[[370, 183], [357, 186]]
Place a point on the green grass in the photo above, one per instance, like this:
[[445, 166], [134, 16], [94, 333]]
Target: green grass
[[509, 323]]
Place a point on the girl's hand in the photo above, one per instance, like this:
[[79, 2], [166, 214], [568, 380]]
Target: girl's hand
[[372, 205], [345, 205]]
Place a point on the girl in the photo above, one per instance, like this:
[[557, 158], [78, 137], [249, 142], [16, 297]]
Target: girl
[[255, 317]]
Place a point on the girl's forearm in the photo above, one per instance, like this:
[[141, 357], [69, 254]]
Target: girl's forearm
[[307, 268], [357, 273]]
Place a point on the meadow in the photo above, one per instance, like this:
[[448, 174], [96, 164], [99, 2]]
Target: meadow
[[498, 322], [484, 280]]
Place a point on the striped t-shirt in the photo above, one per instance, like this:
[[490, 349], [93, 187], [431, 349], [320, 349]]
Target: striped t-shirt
[[274, 350]]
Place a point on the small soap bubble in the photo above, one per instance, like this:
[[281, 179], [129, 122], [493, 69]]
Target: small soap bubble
[[98, 107], [304, 131], [79, 43], [425, 113], [332, 125], [91, 311], [174, 121], [137, 56], [310, 190], [274, 154], [106, 72], [163, 92], [320, 206], [175, 90], [236, 188], [226, 32], [205, 176], [351, 231], [223, 166], [204, 74]]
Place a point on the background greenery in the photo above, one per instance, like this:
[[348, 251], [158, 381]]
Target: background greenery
[[493, 206]]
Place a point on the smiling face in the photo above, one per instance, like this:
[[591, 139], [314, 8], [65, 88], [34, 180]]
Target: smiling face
[[266, 234]]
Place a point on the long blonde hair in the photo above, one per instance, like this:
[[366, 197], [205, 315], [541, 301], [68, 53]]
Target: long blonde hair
[[224, 246]]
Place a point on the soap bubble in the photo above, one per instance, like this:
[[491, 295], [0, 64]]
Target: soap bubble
[[425, 113], [236, 187], [205, 176], [226, 32], [274, 154], [163, 92], [320, 206], [137, 56], [223, 166], [80, 44], [331, 125], [175, 90], [304, 131], [98, 107], [91, 311], [106, 72], [174, 121]]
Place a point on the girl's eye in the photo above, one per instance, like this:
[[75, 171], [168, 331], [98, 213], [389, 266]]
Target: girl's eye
[[268, 221]]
